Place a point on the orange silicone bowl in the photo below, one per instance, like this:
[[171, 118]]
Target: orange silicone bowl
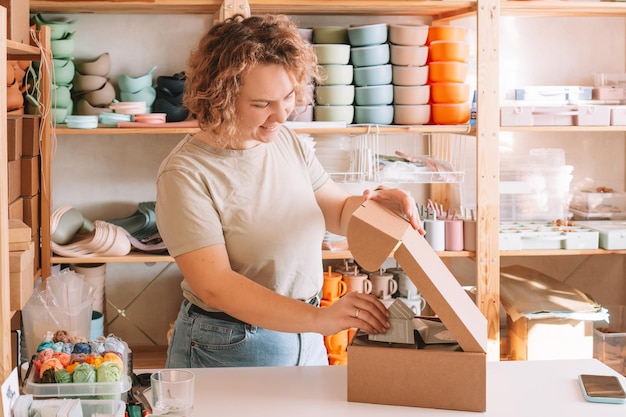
[[447, 72], [445, 33], [448, 51], [449, 92], [450, 113]]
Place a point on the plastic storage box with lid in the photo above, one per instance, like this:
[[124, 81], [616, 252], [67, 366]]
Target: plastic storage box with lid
[[521, 236], [87, 391], [89, 408], [609, 340], [554, 93], [586, 205], [612, 233], [534, 186]]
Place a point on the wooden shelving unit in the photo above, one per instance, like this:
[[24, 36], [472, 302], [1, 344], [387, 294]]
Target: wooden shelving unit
[[487, 14]]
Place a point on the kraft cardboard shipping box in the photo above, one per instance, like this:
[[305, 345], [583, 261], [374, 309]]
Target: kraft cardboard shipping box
[[436, 377], [18, 20]]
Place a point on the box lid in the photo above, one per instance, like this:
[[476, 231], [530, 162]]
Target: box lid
[[375, 233]]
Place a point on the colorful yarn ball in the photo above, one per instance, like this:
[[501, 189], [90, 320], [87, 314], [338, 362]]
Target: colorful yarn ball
[[62, 376], [45, 354], [81, 347]]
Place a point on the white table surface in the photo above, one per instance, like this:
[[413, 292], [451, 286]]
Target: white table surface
[[514, 388]]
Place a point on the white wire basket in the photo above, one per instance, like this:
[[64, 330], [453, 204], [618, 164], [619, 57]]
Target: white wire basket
[[393, 157]]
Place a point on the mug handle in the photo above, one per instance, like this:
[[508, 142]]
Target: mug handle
[[393, 286], [343, 288], [367, 286]]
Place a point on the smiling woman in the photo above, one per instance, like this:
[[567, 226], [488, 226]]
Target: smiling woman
[[243, 206]]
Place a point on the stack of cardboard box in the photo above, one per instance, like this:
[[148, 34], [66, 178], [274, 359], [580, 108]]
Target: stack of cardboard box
[[21, 265], [24, 176]]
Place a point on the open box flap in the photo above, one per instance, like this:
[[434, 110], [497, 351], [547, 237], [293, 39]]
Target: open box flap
[[371, 238], [374, 232]]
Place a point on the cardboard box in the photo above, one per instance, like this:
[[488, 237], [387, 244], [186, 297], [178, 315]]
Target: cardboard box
[[19, 232], [21, 272], [540, 310], [30, 176], [31, 213], [405, 375], [14, 137], [14, 173], [549, 338], [30, 133], [16, 209], [19, 235], [18, 20]]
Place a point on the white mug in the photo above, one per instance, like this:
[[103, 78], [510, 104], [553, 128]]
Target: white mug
[[358, 283], [383, 285], [406, 288], [416, 304]]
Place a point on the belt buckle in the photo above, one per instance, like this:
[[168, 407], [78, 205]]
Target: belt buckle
[[315, 300]]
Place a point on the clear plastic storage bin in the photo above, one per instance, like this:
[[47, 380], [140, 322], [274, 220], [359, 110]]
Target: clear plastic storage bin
[[609, 341]]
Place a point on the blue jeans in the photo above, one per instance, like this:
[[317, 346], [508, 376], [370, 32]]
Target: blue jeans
[[199, 341]]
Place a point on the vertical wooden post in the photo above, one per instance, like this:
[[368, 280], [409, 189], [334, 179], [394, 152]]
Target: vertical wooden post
[[229, 8], [5, 300], [488, 170], [47, 149]]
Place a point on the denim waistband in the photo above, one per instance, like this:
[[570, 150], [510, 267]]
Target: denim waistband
[[220, 315]]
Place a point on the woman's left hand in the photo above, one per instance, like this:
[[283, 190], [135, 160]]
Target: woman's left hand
[[399, 201]]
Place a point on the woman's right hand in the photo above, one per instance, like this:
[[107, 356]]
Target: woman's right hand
[[363, 311]]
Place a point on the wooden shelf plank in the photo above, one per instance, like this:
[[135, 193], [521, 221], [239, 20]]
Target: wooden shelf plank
[[561, 252], [563, 8], [356, 130], [340, 254], [436, 9], [149, 258], [571, 129]]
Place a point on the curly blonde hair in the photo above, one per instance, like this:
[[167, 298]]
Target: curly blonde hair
[[228, 51]]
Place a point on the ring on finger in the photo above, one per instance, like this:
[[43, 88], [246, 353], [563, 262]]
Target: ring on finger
[[356, 313]]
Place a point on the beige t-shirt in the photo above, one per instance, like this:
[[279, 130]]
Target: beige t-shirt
[[259, 202]]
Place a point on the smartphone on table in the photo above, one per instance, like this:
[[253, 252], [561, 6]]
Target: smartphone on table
[[602, 388]]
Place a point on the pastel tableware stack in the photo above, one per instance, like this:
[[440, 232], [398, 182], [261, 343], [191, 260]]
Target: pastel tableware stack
[[334, 97], [372, 74], [92, 89], [62, 45], [138, 88], [304, 113], [336, 344], [409, 56], [449, 93], [16, 74], [169, 97]]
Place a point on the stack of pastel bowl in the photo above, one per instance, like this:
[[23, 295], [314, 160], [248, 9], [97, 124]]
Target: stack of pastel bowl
[[449, 93], [409, 55], [92, 89], [16, 73], [62, 45], [334, 97], [372, 74], [138, 89], [169, 97], [304, 113]]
